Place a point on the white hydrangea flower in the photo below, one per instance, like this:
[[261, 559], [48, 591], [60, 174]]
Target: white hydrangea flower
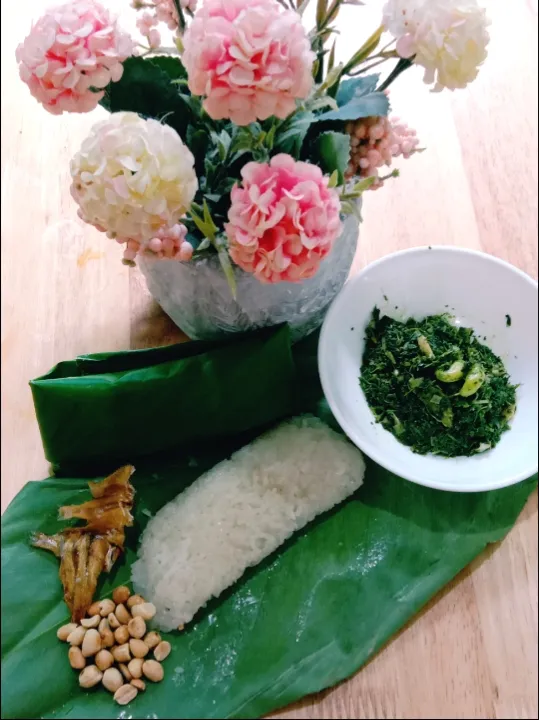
[[132, 177], [449, 38]]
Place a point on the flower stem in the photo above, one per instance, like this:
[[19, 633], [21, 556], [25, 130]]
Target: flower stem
[[400, 67]]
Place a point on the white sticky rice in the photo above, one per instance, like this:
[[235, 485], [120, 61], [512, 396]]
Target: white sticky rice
[[239, 512]]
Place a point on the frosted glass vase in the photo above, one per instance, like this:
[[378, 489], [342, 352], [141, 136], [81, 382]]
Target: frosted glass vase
[[197, 297]]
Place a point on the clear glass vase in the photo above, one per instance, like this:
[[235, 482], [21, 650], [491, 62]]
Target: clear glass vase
[[197, 297]]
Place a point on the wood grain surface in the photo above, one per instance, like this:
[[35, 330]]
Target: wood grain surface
[[472, 653]]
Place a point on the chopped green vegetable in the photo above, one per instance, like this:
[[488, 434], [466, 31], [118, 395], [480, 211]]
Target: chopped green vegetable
[[435, 386]]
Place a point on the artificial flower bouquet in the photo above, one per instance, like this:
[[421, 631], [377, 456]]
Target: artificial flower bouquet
[[244, 146]]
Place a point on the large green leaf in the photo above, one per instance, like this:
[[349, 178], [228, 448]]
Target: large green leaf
[[360, 106], [333, 151], [146, 87], [356, 87], [307, 617], [289, 138], [119, 405]]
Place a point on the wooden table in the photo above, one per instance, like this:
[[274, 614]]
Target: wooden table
[[472, 653]]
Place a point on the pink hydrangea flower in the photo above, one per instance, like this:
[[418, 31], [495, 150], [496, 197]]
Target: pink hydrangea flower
[[249, 58], [69, 50], [283, 221]]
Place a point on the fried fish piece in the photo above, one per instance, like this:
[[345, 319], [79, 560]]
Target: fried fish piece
[[87, 551]]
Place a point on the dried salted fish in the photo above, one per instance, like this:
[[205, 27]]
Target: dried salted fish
[[87, 551]]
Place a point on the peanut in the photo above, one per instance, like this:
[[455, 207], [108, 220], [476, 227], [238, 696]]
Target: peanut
[[121, 594], [122, 614], [91, 643], [125, 694], [162, 651], [107, 606], [112, 679], [134, 600], [121, 634], [107, 638], [152, 639], [144, 610], [114, 623], [138, 648], [121, 653], [94, 609], [77, 636], [91, 622], [90, 676], [76, 658], [65, 631], [139, 684], [104, 660], [135, 668], [137, 627], [153, 670], [125, 672]]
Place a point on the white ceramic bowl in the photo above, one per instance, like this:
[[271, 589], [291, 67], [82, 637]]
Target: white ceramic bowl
[[479, 290]]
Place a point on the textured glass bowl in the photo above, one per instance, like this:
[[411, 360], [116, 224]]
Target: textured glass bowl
[[197, 297]]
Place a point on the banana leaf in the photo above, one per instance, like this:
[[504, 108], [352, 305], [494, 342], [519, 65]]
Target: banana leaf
[[309, 616]]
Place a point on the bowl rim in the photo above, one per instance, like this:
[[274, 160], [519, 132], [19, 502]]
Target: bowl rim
[[324, 356]]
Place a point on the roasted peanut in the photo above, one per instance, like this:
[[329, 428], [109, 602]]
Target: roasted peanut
[[94, 609], [107, 638], [91, 643], [113, 620], [121, 635], [162, 651], [152, 639], [144, 610], [121, 594], [137, 627], [90, 676], [65, 631], [123, 615], [121, 653], [104, 660], [91, 622], [112, 679], [153, 670], [125, 694], [125, 672], [135, 667], [134, 600], [107, 606], [76, 658], [138, 648], [77, 636], [139, 684]]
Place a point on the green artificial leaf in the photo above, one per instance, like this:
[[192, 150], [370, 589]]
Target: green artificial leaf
[[172, 65], [368, 105], [356, 87], [307, 617], [224, 259], [365, 50], [146, 88], [289, 138], [333, 150]]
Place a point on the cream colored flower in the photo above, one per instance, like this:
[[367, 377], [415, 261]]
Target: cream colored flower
[[448, 38], [133, 177]]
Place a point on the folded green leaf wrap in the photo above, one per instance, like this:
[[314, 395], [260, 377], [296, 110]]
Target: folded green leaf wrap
[[307, 617], [109, 409]]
